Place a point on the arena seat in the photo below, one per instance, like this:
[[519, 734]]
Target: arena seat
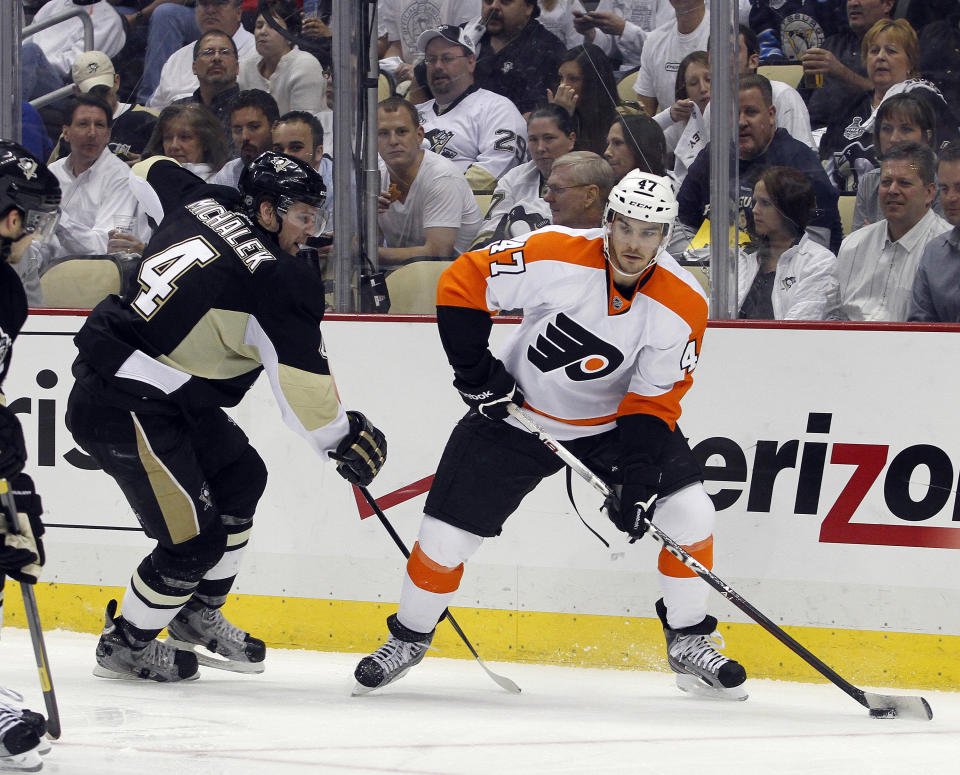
[[789, 74], [80, 282], [846, 203], [625, 86], [413, 287]]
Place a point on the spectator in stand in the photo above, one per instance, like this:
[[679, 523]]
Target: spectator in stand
[[665, 48], [684, 124], [189, 133], [786, 28], [428, 210], [216, 66], [792, 113], [557, 16], [292, 77], [785, 275], [517, 206], [482, 133], [516, 55], [636, 142], [177, 78], [300, 134], [890, 52], [936, 288], [588, 91], [96, 187], [940, 55], [62, 43], [252, 116], [93, 73], [760, 144], [620, 27], [877, 264], [404, 20], [577, 190], [902, 118], [170, 24], [840, 61]]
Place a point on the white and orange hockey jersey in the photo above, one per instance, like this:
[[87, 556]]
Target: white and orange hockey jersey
[[585, 354]]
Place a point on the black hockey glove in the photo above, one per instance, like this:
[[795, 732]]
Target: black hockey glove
[[362, 452], [13, 449], [632, 509], [21, 554], [492, 396]]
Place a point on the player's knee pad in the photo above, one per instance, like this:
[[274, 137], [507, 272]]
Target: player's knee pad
[[686, 515], [237, 487], [187, 562], [445, 544]]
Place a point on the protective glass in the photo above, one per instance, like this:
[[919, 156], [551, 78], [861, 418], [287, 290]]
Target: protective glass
[[41, 224]]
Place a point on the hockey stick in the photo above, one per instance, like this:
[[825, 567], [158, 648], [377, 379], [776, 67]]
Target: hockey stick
[[33, 621], [880, 705], [502, 681]]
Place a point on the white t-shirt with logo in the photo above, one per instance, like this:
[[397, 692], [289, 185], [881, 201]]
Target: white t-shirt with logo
[[404, 20], [663, 51]]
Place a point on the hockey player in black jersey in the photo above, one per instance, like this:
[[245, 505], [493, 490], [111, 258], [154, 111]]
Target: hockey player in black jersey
[[29, 200], [220, 296]]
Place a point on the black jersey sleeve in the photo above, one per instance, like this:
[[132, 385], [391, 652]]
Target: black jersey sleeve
[[13, 313]]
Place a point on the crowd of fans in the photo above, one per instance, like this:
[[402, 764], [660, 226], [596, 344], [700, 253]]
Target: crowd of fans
[[509, 115]]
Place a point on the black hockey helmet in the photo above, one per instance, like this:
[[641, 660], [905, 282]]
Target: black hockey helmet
[[282, 180], [28, 186]]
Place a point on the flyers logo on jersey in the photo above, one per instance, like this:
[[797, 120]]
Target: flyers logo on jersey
[[569, 346]]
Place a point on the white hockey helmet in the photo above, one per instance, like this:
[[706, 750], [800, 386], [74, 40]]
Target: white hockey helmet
[[644, 197]]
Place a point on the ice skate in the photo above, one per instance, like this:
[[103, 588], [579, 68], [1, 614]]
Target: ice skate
[[156, 661], [403, 649], [199, 625], [20, 739], [701, 669]]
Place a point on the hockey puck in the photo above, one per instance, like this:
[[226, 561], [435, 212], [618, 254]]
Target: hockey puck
[[883, 712]]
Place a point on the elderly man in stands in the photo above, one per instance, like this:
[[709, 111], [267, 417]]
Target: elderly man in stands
[[577, 189], [840, 63], [177, 78], [761, 144], [936, 287], [215, 63], [877, 264], [98, 209], [427, 209], [482, 133]]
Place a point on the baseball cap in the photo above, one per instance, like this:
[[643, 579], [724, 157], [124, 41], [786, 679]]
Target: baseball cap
[[92, 68], [448, 32]]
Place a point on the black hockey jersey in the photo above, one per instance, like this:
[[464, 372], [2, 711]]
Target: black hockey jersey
[[13, 313], [214, 302]]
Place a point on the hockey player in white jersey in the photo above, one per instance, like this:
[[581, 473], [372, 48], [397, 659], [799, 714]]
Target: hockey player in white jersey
[[611, 334]]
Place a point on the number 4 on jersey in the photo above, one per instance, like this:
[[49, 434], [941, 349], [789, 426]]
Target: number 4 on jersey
[[159, 272], [688, 361]]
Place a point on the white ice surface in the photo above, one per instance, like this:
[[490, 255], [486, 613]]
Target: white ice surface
[[447, 716]]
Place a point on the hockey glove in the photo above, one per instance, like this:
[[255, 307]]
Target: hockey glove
[[21, 554], [13, 449], [362, 452], [492, 397], [632, 509]]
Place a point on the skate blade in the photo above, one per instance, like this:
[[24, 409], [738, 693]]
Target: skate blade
[[28, 761], [696, 687], [204, 659], [104, 672], [359, 689]]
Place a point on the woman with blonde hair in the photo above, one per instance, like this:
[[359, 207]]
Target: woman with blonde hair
[[890, 52]]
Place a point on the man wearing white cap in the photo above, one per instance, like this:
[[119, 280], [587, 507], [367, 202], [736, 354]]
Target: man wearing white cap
[[482, 133], [94, 73]]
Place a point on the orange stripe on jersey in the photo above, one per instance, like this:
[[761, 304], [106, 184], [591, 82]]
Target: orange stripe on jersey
[[665, 406], [586, 422], [702, 551], [464, 283], [431, 576]]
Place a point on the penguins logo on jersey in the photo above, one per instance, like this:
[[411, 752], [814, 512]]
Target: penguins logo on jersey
[[5, 342], [569, 346], [438, 139]]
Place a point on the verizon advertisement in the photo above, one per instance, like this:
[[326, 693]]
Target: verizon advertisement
[[831, 456]]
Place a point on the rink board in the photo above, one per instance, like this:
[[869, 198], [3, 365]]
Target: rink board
[[831, 454]]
